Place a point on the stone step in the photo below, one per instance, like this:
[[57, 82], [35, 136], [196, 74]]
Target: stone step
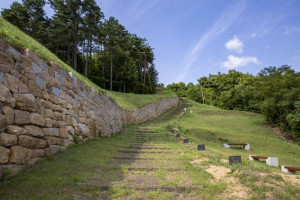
[[144, 188], [143, 152]]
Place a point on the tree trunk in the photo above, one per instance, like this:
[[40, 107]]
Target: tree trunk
[[86, 59], [103, 67], [75, 51], [124, 87], [111, 67], [203, 97], [150, 81]]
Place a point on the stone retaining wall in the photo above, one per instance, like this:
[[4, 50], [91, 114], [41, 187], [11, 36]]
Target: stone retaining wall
[[42, 107]]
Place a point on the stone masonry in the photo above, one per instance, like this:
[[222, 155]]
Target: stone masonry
[[42, 107]]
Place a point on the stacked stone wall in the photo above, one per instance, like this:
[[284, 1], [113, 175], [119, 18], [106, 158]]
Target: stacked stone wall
[[42, 107]]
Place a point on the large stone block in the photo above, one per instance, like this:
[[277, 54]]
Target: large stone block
[[11, 82], [49, 113], [54, 141], [56, 91], [48, 123], [3, 123], [19, 155], [43, 65], [6, 97], [4, 155], [9, 114], [36, 68], [23, 89], [70, 130], [1, 77], [37, 119], [84, 130], [26, 102], [6, 60], [63, 133], [14, 54], [7, 140], [22, 117], [35, 89], [26, 62], [92, 127], [34, 131], [31, 142], [17, 130], [51, 131], [37, 153], [40, 82], [53, 149]]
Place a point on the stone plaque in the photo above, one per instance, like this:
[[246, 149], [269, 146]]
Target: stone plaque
[[185, 140], [235, 160], [177, 135], [201, 147]]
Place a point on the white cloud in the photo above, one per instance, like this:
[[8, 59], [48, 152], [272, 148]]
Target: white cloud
[[220, 26], [235, 45], [291, 29], [234, 62]]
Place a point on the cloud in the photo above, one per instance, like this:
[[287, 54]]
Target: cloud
[[235, 45], [291, 29], [234, 62], [226, 20]]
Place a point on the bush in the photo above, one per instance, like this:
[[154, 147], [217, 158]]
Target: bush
[[76, 139]]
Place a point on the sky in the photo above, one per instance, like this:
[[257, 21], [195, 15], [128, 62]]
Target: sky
[[195, 38]]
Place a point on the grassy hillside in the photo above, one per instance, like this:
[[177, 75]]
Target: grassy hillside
[[17, 38], [161, 167], [214, 127]]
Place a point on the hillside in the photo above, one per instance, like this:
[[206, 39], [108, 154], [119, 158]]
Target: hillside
[[17, 38], [147, 162]]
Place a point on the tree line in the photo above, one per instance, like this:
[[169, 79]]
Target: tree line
[[273, 92], [101, 49]]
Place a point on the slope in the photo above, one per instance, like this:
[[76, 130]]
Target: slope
[[19, 39]]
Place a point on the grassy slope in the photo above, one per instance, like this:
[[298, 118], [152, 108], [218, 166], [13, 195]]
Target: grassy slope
[[56, 177], [128, 101], [214, 127]]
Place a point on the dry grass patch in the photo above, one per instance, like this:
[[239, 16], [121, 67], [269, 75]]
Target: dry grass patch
[[235, 189]]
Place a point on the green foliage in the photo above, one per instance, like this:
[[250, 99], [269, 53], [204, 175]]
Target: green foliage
[[273, 92], [99, 133], [75, 139], [102, 50]]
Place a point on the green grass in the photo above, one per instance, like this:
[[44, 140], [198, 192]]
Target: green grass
[[56, 176], [214, 127], [19, 39]]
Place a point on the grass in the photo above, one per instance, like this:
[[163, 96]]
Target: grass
[[19, 39], [57, 177], [214, 127]]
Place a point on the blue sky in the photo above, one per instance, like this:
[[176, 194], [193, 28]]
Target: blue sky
[[195, 38]]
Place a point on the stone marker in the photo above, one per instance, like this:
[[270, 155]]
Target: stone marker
[[247, 147], [185, 140], [235, 160], [201, 147], [172, 131], [272, 161], [177, 135]]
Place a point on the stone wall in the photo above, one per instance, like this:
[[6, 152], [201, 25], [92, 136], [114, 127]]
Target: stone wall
[[42, 107]]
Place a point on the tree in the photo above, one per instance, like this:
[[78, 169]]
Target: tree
[[18, 15]]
